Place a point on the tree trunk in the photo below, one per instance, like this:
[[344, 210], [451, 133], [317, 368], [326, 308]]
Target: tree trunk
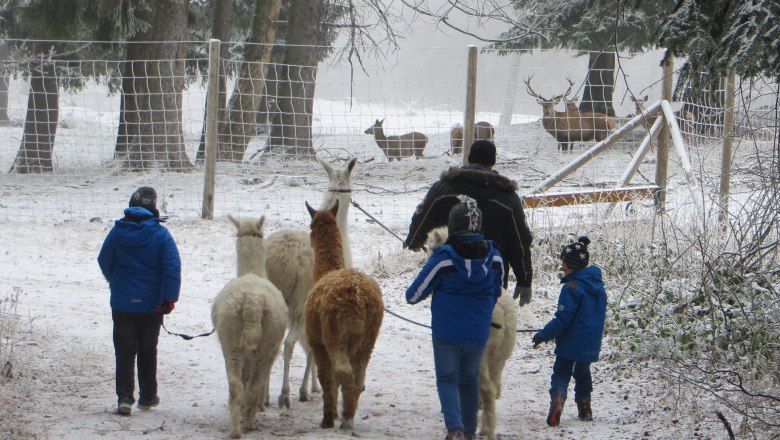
[[237, 130], [600, 84], [150, 122], [40, 125], [291, 129], [4, 82], [220, 30]]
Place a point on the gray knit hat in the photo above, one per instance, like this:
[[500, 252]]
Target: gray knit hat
[[145, 197], [465, 217]]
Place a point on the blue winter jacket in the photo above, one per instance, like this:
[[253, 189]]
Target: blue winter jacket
[[141, 262], [578, 324], [464, 290]]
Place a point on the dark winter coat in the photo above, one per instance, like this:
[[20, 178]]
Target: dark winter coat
[[141, 262], [578, 324], [503, 219], [464, 276]]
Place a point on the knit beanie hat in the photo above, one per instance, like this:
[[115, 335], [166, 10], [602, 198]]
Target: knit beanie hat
[[145, 197], [483, 152], [576, 254], [465, 217]]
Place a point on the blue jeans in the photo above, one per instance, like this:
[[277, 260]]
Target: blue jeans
[[457, 377], [563, 371]]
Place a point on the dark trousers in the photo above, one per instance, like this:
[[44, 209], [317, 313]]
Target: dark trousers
[[135, 336], [563, 371]]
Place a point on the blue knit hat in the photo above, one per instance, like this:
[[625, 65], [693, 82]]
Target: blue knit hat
[[576, 254]]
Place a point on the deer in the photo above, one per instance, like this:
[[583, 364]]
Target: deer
[[397, 147], [602, 124], [686, 118], [570, 127], [482, 130]]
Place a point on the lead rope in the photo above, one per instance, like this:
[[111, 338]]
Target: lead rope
[[186, 337]]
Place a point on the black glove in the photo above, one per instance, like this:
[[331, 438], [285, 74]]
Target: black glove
[[537, 340], [524, 293], [166, 307]]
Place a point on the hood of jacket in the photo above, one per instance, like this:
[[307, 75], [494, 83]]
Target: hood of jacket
[[137, 227], [471, 255], [482, 181], [587, 276]]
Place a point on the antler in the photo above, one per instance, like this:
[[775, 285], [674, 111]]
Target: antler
[[528, 88], [565, 94]]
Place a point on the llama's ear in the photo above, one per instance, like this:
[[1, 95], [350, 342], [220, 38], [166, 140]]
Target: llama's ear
[[335, 209], [328, 168], [311, 210], [351, 164], [234, 220], [260, 223]]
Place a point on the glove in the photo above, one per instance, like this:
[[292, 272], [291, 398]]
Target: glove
[[524, 293], [537, 340], [165, 308]]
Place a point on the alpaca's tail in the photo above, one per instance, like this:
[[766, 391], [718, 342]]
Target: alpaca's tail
[[252, 324], [341, 364]]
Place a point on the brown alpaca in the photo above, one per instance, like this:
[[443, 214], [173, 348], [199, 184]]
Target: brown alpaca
[[343, 314]]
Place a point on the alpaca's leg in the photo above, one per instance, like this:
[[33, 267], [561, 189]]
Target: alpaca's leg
[[487, 399], [352, 387], [233, 366], [289, 345], [254, 396], [310, 371], [329, 387]]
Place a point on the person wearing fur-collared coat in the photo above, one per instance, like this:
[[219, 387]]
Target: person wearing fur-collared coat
[[502, 208]]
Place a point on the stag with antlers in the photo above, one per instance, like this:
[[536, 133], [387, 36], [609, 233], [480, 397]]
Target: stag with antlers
[[570, 126]]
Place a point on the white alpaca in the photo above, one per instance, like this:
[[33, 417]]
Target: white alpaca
[[250, 318], [290, 266], [503, 333]]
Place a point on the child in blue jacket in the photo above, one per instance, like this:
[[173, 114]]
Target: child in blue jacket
[[464, 277], [141, 262], [577, 328]]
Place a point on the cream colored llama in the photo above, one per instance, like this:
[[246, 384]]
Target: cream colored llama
[[290, 265], [250, 318], [343, 316], [503, 333]]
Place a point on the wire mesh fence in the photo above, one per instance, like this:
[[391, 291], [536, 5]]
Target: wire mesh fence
[[81, 135]]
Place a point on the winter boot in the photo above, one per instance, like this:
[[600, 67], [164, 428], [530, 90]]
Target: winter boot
[[148, 403], [583, 409], [124, 406], [454, 435], [556, 408]]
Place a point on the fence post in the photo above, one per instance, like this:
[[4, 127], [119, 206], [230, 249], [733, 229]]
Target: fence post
[[662, 157], [728, 140], [471, 97], [212, 111]]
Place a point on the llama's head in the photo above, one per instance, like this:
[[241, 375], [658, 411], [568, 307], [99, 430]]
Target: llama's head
[[250, 246], [339, 180], [436, 237], [323, 216]]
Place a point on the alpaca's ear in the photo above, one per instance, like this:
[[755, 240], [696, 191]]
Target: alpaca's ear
[[260, 224], [328, 168], [351, 164], [311, 210], [335, 209], [234, 220]]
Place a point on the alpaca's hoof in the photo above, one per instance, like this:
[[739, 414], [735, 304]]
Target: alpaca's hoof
[[346, 425], [302, 397], [327, 422], [234, 434], [283, 401]]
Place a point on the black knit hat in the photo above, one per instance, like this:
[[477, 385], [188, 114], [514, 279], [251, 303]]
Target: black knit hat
[[576, 254], [465, 217], [483, 152], [145, 197]]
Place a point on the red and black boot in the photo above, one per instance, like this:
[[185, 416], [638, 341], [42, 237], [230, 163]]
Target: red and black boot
[[556, 409]]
